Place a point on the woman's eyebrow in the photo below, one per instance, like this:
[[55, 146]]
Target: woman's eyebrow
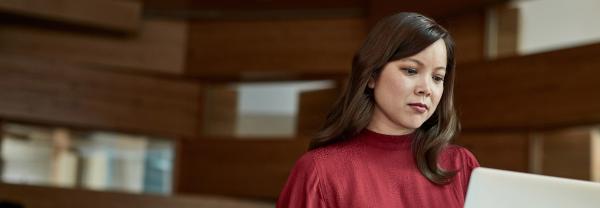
[[416, 61], [421, 63]]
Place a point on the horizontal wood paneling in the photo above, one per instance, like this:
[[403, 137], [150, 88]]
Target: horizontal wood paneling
[[236, 167], [595, 150], [238, 5], [46, 197], [117, 15], [507, 30], [313, 109], [280, 48], [433, 8], [567, 153], [220, 111], [544, 90], [468, 32], [159, 47], [58, 93], [508, 151]]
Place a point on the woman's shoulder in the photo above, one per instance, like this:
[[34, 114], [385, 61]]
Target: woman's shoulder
[[323, 156], [461, 160], [341, 149], [458, 157]]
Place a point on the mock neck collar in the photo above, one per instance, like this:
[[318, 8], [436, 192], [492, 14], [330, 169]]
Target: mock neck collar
[[385, 141]]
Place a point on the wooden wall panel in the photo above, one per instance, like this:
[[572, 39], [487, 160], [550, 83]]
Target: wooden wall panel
[[235, 167], [46, 197], [546, 90], [508, 151], [56, 93], [255, 9], [507, 31], [468, 31], [567, 153], [117, 15], [257, 4], [313, 109], [281, 48], [160, 46], [595, 148], [220, 111], [564, 153], [433, 8]]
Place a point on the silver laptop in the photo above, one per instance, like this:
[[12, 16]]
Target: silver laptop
[[491, 188]]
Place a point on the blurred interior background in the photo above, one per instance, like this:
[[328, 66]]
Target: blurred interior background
[[182, 103]]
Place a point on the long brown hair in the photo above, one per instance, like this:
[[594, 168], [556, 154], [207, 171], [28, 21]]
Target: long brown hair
[[393, 38]]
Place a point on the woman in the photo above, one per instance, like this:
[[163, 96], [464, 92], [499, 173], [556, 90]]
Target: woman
[[386, 141]]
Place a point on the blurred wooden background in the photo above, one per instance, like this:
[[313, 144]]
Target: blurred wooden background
[[158, 67]]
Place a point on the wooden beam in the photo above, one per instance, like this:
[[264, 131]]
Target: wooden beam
[[52, 92], [159, 47], [267, 48], [547, 90], [191, 5], [116, 15], [236, 167], [502, 31], [432, 8], [47, 197], [255, 9], [507, 36]]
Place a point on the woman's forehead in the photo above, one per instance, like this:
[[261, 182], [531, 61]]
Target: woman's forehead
[[434, 56]]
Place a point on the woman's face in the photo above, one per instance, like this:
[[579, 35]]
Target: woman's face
[[407, 91]]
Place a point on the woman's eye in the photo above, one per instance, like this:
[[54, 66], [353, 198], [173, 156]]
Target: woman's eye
[[438, 78], [410, 71]]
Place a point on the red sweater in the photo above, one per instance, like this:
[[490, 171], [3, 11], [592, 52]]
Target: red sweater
[[374, 170]]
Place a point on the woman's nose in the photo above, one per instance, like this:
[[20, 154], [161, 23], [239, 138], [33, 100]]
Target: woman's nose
[[423, 87]]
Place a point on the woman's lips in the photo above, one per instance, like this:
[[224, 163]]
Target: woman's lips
[[419, 107]]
